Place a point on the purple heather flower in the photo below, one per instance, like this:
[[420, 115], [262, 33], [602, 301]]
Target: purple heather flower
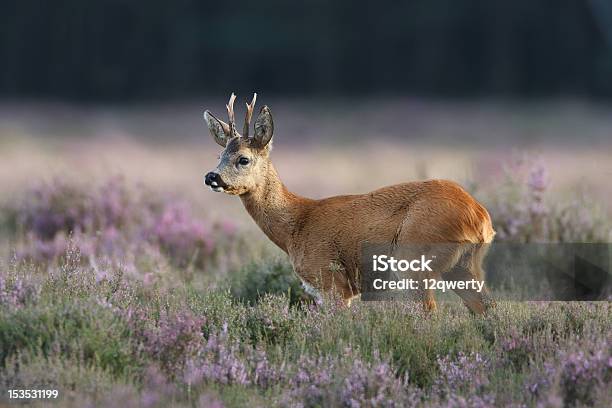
[[538, 180], [465, 371], [17, 292], [114, 221]]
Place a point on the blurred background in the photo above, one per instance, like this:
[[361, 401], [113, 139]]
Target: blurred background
[[372, 93], [120, 50]]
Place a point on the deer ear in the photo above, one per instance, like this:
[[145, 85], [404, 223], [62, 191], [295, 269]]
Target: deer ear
[[218, 129], [264, 127]]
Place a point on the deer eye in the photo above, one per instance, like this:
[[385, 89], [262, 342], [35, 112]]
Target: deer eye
[[243, 161]]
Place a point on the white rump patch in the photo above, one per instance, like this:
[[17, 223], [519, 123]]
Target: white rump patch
[[312, 292]]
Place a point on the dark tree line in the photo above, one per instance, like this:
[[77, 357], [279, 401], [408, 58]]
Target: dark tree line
[[138, 50]]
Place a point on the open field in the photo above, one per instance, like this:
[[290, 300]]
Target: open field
[[321, 149], [122, 278]]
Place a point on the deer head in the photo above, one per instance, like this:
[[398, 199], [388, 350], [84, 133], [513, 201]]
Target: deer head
[[244, 161]]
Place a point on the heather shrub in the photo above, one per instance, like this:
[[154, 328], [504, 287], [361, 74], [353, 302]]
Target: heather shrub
[[16, 292], [114, 221], [463, 380], [77, 328], [347, 381], [217, 361], [220, 310], [461, 373], [179, 346], [313, 383], [83, 324], [85, 385], [274, 276], [170, 340], [522, 210], [375, 384], [32, 369], [584, 371], [516, 349], [272, 320], [266, 373], [576, 375], [223, 360], [402, 331], [182, 238]]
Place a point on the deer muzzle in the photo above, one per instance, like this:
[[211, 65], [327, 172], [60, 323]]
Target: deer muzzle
[[214, 181]]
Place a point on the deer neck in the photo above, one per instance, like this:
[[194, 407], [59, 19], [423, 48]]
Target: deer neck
[[274, 208]]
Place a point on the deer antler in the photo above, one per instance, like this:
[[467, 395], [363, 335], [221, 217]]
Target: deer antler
[[249, 115], [231, 117]]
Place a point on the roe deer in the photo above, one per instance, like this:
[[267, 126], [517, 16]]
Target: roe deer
[[323, 238]]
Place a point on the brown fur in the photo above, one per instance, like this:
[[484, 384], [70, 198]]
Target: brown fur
[[323, 238]]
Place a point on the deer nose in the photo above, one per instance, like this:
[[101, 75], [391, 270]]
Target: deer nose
[[211, 179]]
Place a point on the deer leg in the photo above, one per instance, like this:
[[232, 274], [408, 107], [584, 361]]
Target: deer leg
[[325, 279], [441, 259], [429, 300], [467, 269], [480, 251], [310, 290], [476, 301]]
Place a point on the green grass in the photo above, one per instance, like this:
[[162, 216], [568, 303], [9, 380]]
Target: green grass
[[74, 335]]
